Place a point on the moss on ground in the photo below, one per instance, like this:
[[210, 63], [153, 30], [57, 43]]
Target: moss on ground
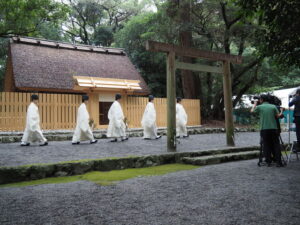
[[110, 177]]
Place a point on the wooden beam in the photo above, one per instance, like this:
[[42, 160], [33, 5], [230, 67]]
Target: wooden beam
[[154, 46], [171, 107], [227, 89], [198, 67]]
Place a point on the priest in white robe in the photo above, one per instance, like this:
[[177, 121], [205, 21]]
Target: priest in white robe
[[181, 120], [83, 130], [149, 121], [33, 131], [116, 127]]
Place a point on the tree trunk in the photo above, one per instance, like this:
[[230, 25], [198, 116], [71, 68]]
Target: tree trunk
[[185, 38]]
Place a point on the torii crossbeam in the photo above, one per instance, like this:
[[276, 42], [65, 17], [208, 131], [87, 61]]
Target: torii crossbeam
[[173, 51]]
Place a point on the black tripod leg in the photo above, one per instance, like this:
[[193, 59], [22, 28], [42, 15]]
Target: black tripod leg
[[260, 154]]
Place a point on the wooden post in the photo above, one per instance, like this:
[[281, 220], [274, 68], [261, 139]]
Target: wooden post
[[227, 89], [171, 110], [93, 108]]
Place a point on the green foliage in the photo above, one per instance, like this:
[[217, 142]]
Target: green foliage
[[50, 31], [108, 178], [279, 28], [103, 36], [22, 17], [148, 26], [273, 77], [94, 22]]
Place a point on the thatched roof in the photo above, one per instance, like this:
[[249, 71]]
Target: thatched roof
[[43, 64]]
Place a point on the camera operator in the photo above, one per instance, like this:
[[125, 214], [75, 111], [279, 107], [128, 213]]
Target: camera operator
[[296, 102], [268, 114]]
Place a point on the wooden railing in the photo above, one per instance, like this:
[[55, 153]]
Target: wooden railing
[[58, 111]]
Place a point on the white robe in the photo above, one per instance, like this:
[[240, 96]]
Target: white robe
[[116, 127], [33, 131], [83, 130], [149, 121], [181, 120]]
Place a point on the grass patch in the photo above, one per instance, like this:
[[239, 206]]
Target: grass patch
[[110, 177]]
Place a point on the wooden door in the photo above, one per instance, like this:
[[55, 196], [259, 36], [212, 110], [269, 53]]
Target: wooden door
[[103, 109]]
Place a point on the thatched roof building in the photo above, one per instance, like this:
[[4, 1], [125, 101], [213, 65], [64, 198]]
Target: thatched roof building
[[48, 66]]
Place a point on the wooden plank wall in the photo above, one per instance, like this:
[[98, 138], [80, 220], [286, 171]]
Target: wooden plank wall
[[58, 111], [136, 105]]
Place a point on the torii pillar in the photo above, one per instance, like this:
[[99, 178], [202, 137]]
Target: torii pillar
[[173, 51]]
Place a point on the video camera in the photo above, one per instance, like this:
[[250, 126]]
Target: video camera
[[272, 99]]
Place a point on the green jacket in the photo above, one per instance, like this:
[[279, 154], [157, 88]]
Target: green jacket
[[267, 116]]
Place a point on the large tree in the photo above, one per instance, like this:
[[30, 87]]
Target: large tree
[[180, 11]]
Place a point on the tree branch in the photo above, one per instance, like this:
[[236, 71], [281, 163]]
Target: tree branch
[[247, 86]]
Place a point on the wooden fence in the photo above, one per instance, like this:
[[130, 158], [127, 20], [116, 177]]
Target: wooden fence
[[136, 106], [58, 111]]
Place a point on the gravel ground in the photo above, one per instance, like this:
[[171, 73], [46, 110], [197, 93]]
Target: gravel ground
[[230, 193], [13, 154]]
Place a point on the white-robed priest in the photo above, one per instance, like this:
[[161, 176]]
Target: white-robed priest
[[181, 120], [149, 121], [83, 130], [33, 131], [116, 127]]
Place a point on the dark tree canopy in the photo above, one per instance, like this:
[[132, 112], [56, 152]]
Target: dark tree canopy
[[280, 27]]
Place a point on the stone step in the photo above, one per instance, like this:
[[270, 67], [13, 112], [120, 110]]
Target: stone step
[[220, 158], [9, 174]]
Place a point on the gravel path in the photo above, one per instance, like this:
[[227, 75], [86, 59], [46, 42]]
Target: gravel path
[[231, 193], [13, 154]]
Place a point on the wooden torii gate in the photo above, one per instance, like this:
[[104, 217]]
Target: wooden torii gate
[[173, 51]]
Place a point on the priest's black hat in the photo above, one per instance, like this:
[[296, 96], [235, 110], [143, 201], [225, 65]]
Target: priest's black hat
[[151, 97], [118, 96], [34, 97], [85, 98]]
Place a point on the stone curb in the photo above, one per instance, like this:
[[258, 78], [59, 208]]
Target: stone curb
[[40, 171], [220, 158], [60, 135]]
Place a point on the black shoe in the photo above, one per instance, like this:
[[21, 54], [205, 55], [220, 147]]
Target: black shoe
[[114, 140], [75, 143], [93, 142], [44, 144], [26, 144], [125, 139], [177, 136], [186, 136], [158, 137], [147, 138]]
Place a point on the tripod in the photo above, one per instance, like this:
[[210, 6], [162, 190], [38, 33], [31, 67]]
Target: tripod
[[261, 153]]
